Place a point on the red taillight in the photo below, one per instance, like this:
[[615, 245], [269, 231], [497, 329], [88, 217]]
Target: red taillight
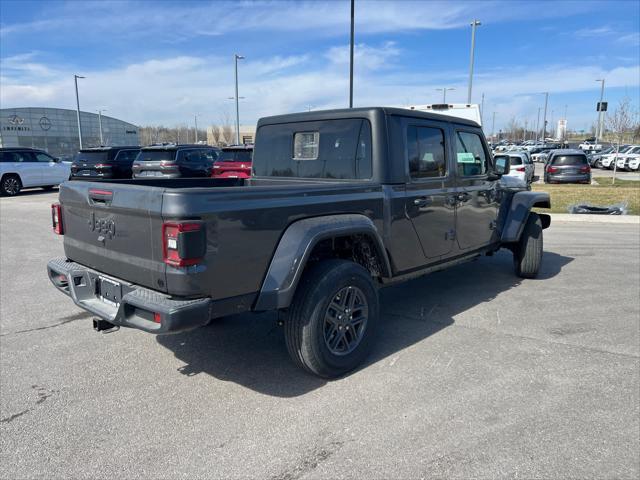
[[56, 218], [585, 169], [156, 318], [520, 169], [170, 165], [551, 169], [183, 243]]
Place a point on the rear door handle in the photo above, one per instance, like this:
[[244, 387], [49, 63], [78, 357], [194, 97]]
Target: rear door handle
[[422, 201]]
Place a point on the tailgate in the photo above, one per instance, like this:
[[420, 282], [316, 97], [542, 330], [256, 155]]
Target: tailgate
[[115, 229]]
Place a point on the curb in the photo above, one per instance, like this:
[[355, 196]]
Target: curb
[[588, 218]]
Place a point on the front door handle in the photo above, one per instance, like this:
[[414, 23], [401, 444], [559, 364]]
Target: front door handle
[[422, 201]]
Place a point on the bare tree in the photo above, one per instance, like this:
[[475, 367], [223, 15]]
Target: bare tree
[[620, 123], [215, 134]]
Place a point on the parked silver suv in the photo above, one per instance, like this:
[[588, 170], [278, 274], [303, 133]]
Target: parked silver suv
[[27, 167]]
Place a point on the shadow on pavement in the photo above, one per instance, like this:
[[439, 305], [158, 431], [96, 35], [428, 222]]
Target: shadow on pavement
[[31, 192], [249, 349]]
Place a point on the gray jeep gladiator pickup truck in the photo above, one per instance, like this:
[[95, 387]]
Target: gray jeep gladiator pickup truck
[[340, 203]]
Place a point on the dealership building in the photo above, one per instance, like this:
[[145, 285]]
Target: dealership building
[[55, 130]]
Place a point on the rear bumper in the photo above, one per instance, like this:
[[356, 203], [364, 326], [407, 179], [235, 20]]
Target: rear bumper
[[138, 305], [578, 178]]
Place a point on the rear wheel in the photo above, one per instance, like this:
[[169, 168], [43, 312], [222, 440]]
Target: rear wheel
[[527, 254], [10, 185], [331, 323]]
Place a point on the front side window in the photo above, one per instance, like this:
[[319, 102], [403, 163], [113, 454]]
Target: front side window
[[426, 152], [471, 158], [306, 145]]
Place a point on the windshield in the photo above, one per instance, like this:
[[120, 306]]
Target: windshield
[[155, 155], [569, 160], [92, 157], [235, 156]]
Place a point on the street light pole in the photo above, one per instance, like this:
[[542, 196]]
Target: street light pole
[[538, 126], [75, 78], [544, 121], [195, 117], [493, 127], [100, 126], [444, 93], [474, 24], [237, 57], [599, 125], [351, 54], [482, 109]]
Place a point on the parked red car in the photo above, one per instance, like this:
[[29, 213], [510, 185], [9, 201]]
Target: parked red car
[[234, 162]]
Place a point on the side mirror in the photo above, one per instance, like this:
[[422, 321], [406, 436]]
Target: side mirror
[[502, 164]]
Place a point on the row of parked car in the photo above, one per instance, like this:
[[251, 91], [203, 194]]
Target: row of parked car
[[623, 157], [26, 167]]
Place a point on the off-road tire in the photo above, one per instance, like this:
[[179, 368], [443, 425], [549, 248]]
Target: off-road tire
[[304, 320], [10, 185], [527, 254]]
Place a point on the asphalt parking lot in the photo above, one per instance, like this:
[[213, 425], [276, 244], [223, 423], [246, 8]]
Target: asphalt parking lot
[[476, 374]]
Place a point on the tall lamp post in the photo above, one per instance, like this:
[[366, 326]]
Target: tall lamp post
[[75, 78], [474, 24], [237, 57], [538, 126], [444, 93], [544, 120], [599, 125], [351, 54], [195, 117], [493, 127], [100, 125]]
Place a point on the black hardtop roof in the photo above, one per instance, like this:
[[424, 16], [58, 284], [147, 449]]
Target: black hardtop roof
[[361, 112], [568, 151], [229, 148], [173, 146], [110, 148]]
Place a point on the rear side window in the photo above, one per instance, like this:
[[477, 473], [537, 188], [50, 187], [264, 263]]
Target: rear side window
[[471, 158], [337, 149], [569, 160], [426, 155]]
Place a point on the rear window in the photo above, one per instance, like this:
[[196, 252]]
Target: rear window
[[155, 155], [337, 149], [515, 161], [569, 160], [92, 157], [235, 156]]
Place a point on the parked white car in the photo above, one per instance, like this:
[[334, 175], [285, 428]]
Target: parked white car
[[634, 164], [27, 167], [608, 161], [590, 147], [521, 166]]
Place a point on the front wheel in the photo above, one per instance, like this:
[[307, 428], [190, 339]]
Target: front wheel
[[10, 185], [527, 254], [332, 321]]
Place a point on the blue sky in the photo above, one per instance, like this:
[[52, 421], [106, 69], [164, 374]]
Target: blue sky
[[162, 62]]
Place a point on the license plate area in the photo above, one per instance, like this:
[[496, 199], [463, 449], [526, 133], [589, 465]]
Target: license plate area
[[108, 291]]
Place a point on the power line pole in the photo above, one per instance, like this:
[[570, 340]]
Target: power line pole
[[599, 125], [474, 24], [237, 57], [351, 54], [544, 121], [75, 78]]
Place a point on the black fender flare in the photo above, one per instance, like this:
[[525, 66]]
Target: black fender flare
[[297, 242], [519, 209]]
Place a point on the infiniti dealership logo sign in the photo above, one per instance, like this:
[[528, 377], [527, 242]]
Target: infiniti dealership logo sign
[[16, 120]]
